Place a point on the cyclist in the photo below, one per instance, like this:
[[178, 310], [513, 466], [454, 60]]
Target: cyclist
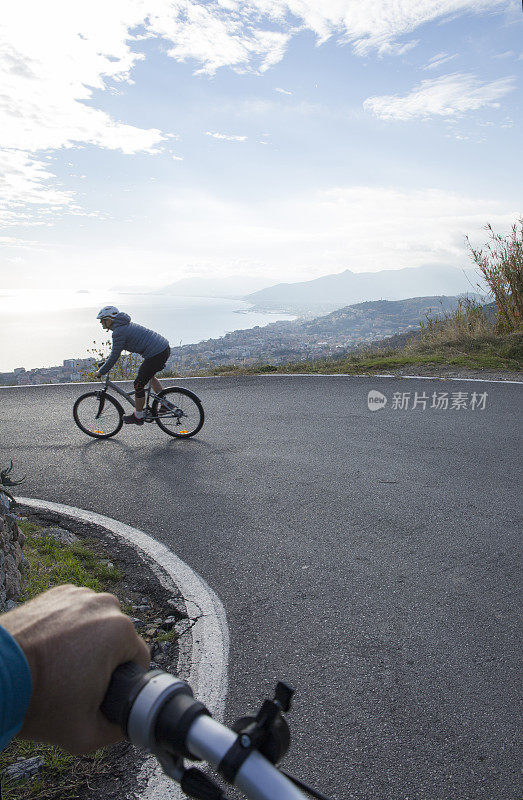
[[57, 654], [135, 338]]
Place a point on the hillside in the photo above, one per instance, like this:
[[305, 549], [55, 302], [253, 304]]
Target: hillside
[[332, 334], [347, 288]]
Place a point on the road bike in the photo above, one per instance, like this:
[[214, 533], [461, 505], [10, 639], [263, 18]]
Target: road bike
[[175, 410], [157, 712]]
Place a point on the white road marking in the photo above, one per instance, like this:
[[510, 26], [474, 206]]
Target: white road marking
[[209, 634], [285, 375]]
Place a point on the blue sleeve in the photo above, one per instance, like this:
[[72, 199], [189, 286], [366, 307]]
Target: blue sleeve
[[15, 687], [118, 343]]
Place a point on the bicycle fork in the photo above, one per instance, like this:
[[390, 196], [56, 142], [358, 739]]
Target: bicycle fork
[[101, 399]]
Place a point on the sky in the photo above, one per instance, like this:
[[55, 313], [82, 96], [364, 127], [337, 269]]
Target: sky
[[145, 141]]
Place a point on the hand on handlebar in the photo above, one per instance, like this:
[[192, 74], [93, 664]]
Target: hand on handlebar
[[73, 639]]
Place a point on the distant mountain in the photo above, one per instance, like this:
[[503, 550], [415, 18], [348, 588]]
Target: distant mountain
[[233, 287], [347, 288]]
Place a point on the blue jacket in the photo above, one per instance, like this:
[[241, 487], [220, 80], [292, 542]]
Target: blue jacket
[[15, 687], [134, 338]]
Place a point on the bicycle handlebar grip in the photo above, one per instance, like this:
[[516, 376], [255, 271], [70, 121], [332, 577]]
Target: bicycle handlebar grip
[[126, 682]]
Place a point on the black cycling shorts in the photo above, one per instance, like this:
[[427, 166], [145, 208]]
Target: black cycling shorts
[[150, 366]]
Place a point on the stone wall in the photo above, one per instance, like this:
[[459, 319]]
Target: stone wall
[[11, 555]]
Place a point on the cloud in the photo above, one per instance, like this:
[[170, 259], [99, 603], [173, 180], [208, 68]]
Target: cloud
[[298, 236], [52, 61], [439, 59], [282, 91], [58, 59], [27, 181], [396, 49], [450, 95], [48, 81], [218, 34], [226, 136], [254, 34]]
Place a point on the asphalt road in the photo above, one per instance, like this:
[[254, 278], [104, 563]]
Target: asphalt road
[[369, 558]]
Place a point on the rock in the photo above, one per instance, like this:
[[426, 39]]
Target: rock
[[23, 770], [169, 623], [178, 604], [5, 503], [61, 535], [138, 623], [10, 604], [182, 626], [12, 562], [12, 577]]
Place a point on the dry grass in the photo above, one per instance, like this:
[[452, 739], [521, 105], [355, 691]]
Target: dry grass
[[468, 321], [500, 262]]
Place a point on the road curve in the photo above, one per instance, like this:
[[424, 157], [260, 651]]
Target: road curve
[[369, 558]]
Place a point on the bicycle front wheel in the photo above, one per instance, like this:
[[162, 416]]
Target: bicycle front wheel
[[97, 414], [181, 414]]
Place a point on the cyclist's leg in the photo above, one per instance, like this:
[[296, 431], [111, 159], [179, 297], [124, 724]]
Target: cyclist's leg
[[146, 373], [140, 382], [156, 386]]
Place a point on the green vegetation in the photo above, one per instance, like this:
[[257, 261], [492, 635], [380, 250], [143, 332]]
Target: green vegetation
[[51, 564], [167, 636], [60, 777], [489, 352], [125, 368]]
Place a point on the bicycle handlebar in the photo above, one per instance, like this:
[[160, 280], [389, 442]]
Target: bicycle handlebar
[[158, 712]]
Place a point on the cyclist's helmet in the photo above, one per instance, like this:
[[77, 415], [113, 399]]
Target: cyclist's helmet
[[107, 311]]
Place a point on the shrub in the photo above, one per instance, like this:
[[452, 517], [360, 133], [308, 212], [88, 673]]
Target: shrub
[[501, 264], [467, 321], [125, 368]]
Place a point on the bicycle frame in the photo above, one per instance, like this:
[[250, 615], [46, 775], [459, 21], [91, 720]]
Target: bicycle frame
[[129, 396]]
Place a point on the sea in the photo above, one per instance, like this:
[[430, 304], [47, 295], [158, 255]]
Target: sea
[[43, 330]]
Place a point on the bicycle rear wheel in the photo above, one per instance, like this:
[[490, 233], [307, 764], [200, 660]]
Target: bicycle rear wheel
[[98, 414], [182, 413]]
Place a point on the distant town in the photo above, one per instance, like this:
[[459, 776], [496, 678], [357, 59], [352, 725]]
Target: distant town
[[277, 343], [70, 371]]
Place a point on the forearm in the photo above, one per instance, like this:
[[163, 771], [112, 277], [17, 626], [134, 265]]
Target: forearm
[[111, 361], [15, 686]]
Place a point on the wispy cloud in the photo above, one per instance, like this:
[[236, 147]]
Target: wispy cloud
[[226, 136], [439, 59], [27, 193], [395, 48], [281, 91], [450, 95]]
